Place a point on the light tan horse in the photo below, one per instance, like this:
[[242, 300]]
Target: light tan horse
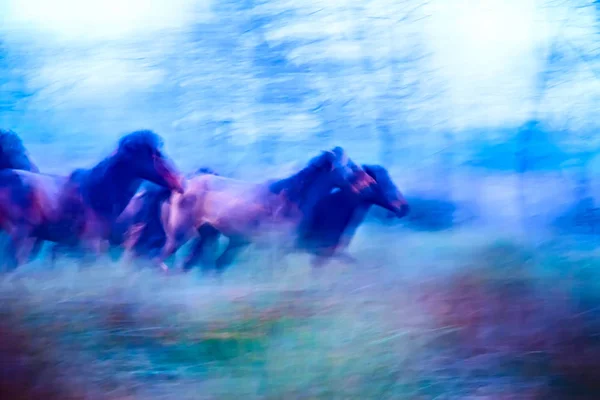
[[247, 212]]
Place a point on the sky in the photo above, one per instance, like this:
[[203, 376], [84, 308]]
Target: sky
[[487, 52], [75, 20]]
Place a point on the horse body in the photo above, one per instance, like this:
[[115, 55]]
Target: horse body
[[241, 210], [45, 193]]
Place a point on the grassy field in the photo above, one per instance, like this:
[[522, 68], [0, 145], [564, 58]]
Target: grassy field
[[449, 315]]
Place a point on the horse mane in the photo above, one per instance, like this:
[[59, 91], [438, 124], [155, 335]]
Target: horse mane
[[93, 182], [13, 154], [297, 184], [140, 138], [376, 171]]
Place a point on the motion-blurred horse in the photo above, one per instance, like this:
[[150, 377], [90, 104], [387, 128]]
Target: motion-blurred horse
[[338, 215], [139, 228], [334, 221], [252, 212], [82, 208]]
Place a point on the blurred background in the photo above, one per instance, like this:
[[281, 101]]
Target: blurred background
[[484, 111], [469, 102]]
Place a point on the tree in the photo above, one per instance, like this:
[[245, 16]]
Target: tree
[[565, 98]]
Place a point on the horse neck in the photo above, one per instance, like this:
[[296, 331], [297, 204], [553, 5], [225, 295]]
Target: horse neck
[[110, 186], [346, 204]]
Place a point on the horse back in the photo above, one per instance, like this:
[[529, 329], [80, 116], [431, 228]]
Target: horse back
[[232, 206], [26, 198], [44, 189]]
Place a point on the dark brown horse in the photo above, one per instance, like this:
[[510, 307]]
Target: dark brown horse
[[339, 214], [256, 212], [334, 220], [81, 208]]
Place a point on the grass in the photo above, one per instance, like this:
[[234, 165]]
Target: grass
[[444, 315]]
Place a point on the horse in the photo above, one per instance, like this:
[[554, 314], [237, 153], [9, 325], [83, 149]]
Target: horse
[[338, 215], [334, 221], [80, 208], [139, 228], [248, 213]]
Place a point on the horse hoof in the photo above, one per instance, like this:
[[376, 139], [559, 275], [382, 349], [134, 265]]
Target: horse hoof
[[163, 267]]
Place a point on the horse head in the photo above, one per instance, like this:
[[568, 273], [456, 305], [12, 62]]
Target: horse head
[[141, 153], [384, 192], [329, 170], [13, 154]]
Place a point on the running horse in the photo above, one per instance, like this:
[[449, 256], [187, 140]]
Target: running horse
[[338, 215], [249, 213], [334, 220], [80, 209]]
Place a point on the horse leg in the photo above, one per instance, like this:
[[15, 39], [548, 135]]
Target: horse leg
[[233, 249], [321, 258], [132, 236], [17, 247], [58, 248], [93, 249], [175, 238], [171, 246], [209, 237], [210, 250], [55, 251], [195, 254], [35, 249]]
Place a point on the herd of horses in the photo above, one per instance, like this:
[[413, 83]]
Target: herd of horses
[[137, 200]]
